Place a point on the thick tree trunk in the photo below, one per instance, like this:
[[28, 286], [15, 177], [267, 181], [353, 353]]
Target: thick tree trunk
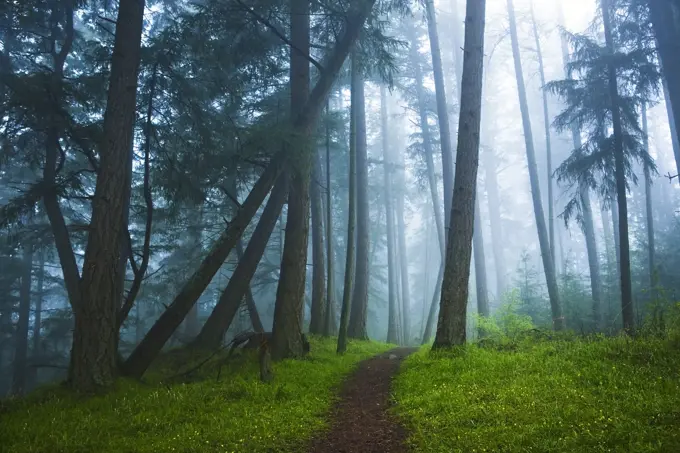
[[588, 223], [620, 175], [316, 324], [19, 380], [389, 222], [95, 336], [287, 330], [356, 84], [357, 317], [442, 111], [451, 327], [649, 210], [543, 239], [231, 298], [546, 125], [665, 16]]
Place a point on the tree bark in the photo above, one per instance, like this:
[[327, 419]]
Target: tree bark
[[624, 251], [543, 239], [95, 336], [250, 301], [19, 380], [451, 327], [649, 209], [675, 141], [220, 319], [287, 330], [665, 15], [356, 83], [37, 314], [317, 319], [357, 317], [403, 256], [480, 263], [442, 111], [330, 326]]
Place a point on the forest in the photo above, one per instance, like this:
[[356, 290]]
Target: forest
[[339, 226]]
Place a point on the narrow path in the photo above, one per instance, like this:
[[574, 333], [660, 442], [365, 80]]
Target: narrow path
[[360, 422]]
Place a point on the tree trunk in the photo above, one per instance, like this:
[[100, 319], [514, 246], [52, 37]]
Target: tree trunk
[[37, 315], [95, 336], [588, 223], [330, 326], [451, 327], [546, 125], [316, 324], [442, 111], [21, 337], [231, 298], [665, 16], [543, 239], [195, 245], [624, 251], [389, 222], [675, 141], [356, 85], [649, 209], [403, 257], [480, 263], [250, 301], [357, 317]]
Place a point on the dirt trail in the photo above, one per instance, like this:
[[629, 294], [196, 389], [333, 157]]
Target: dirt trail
[[360, 422]]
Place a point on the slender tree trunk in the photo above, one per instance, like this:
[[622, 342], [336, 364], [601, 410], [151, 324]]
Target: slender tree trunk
[[588, 223], [250, 301], [543, 239], [480, 264], [624, 250], [451, 327], [316, 325], [231, 298], [19, 380], [356, 85], [389, 222], [195, 245], [403, 258], [649, 209], [675, 141], [546, 125], [442, 111], [37, 314], [357, 318], [665, 15], [330, 326]]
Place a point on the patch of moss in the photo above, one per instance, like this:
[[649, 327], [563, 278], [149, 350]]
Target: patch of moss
[[195, 412], [562, 395]]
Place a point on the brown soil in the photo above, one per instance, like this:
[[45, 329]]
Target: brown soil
[[360, 422]]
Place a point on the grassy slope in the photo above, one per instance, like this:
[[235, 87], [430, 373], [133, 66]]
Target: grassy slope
[[238, 413], [608, 395]]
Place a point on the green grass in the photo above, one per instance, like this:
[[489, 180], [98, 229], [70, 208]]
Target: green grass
[[568, 395], [238, 413]]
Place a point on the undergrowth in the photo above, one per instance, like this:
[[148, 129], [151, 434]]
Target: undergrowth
[[195, 412], [526, 390]]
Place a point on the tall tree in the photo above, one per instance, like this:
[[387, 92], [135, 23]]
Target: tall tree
[[649, 207], [19, 380], [389, 221], [403, 255], [330, 326], [543, 239], [451, 327], [620, 176], [480, 264], [316, 323]]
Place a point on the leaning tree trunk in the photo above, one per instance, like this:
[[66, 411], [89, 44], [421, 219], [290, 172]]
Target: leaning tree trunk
[[255, 319], [675, 140], [231, 298], [429, 160], [140, 359], [620, 175], [356, 84], [21, 335], [588, 224], [290, 293], [389, 222], [357, 317], [543, 239], [451, 327], [665, 15], [95, 336], [546, 125], [316, 324], [442, 110]]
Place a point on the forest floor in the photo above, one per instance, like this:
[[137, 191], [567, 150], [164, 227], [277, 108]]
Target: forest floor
[[361, 421]]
